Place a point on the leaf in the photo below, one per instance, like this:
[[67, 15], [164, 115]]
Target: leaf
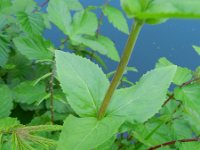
[[107, 145], [87, 133], [4, 4], [116, 17], [152, 133], [182, 74], [109, 46], [34, 48], [142, 101], [197, 49], [82, 81], [74, 5], [102, 44], [6, 103], [8, 123], [85, 22], [59, 14], [32, 23], [25, 92], [91, 43], [189, 145], [3, 21], [158, 9], [189, 95], [26, 6], [4, 50]]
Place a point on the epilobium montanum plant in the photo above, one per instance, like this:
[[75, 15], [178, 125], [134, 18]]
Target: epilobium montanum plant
[[61, 99]]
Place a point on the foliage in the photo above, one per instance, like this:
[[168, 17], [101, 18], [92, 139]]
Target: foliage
[[58, 97]]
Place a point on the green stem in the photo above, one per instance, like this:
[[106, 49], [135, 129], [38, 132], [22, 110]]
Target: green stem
[[121, 67]]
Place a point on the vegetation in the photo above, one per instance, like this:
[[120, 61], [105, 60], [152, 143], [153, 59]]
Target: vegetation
[[58, 97]]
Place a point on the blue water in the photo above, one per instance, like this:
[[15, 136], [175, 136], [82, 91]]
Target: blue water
[[173, 40]]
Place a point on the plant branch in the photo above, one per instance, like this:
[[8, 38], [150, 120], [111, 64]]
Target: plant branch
[[121, 67], [99, 26], [189, 82], [51, 89], [168, 99], [181, 86], [42, 5], [100, 19], [173, 142]]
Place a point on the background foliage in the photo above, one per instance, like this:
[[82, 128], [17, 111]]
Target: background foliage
[[50, 98]]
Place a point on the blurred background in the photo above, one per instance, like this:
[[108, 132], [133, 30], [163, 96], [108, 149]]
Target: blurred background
[[172, 39]]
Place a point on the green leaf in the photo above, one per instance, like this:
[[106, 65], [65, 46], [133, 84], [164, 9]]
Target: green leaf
[[59, 14], [27, 93], [8, 123], [32, 23], [116, 17], [188, 145], [91, 43], [74, 5], [158, 9], [152, 133], [23, 6], [34, 48], [83, 82], [4, 50], [3, 21], [4, 4], [131, 7], [182, 74], [85, 22], [189, 95], [197, 49], [102, 44], [142, 101], [109, 46], [87, 133], [6, 103], [106, 145]]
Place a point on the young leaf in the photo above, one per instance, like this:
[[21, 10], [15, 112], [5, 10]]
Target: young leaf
[[157, 11], [142, 101], [197, 49], [83, 82], [27, 93], [85, 22], [182, 74], [6, 103], [32, 23], [34, 48], [87, 133], [116, 17], [59, 14]]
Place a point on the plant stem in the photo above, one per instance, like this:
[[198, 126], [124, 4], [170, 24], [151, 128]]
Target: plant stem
[[173, 142], [51, 89], [121, 67], [100, 19]]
